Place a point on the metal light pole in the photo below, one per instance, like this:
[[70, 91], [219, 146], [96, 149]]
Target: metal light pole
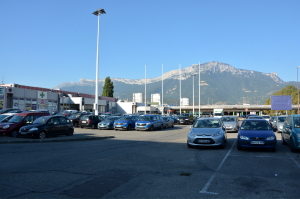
[[97, 13], [199, 89], [162, 87], [180, 89], [193, 95], [298, 88], [145, 90]]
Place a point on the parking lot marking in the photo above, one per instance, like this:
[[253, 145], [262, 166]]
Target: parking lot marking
[[293, 159], [207, 185]]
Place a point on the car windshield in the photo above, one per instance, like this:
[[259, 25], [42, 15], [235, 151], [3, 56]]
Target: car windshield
[[255, 125], [228, 119], [3, 116], [297, 122], [210, 123], [255, 117], [16, 119], [266, 116], [145, 118], [124, 118], [41, 120], [165, 118], [74, 116], [281, 119]]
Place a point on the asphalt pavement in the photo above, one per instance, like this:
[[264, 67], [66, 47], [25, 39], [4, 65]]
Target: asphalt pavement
[[79, 135]]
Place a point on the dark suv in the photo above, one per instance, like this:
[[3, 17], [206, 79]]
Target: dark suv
[[89, 121], [75, 118]]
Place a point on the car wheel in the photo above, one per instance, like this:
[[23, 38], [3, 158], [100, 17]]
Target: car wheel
[[292, 147], [129, 127], [69, 133], [189, 146], [223, 145], [239, 147], [42, 135], [81, 127], [93, 126], [161, 127], [172, 125], [14, 133], [283, 141], [76, 124], [151, 128]]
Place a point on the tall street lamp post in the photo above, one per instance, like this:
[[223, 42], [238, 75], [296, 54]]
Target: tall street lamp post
[[193, 95], [199, 89], [145, 90], [298, 89], [97, 13]]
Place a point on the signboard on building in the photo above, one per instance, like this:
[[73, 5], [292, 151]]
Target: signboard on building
[[281, 102], [42, 95]]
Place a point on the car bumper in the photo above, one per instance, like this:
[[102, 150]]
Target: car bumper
[[5, 132], [250, 144], [142, 128], [206, 141]]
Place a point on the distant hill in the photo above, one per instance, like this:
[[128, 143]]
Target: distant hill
[[220, 84]]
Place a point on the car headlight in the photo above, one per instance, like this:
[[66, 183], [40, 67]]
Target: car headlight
[[191, 134], [271, 138], [6, 126], [33, 129], [148, 123], [217, 134], [242, 137]]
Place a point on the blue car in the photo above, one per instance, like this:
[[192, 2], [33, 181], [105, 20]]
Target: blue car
[[291, 132], [149, 122], [125, 123], [256, 133], [108, 123]]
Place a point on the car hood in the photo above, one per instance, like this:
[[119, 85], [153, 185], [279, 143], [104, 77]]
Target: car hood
[[143, 121], [256, 133], [7, 123], [205, 131], [31, 126]]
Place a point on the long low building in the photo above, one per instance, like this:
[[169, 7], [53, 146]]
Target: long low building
[[36, 98]]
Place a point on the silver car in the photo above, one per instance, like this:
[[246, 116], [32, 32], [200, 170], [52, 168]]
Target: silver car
[[279, 122], [231, 123], [207, 132]]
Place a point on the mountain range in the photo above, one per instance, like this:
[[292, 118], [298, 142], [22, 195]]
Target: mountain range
[[220, 83]]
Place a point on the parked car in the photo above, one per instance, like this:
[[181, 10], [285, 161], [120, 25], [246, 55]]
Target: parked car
[[13, 125], [149, 122], [168, 122], [108, 123], [6, 116], [125, 123], [291, 132], [75, 118], [231, 123], [47, 126], [89, 121], [6, 110], [175, 118], [267, 117], [279, 122], [256, 133], [208, 131], [273, 121], [185, 118]]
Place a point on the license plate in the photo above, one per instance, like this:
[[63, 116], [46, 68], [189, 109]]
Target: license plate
[[257, 142], [83, 122], [203, 141], [23, 133]]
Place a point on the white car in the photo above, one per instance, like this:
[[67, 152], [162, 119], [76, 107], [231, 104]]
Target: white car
[[267, 117]]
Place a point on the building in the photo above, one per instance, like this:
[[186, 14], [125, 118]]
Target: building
[[185, 101], [35, 98], [155, 99], [137, 97]]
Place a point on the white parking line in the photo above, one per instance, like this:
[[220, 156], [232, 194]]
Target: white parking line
[[207, 185], [293, 159]]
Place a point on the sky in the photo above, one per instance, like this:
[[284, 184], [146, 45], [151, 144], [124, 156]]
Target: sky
[[48, 42]]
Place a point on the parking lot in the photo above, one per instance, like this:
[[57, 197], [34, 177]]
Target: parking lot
[[143, 164]]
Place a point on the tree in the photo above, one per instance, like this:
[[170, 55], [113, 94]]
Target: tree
[[289, 90], [108, 88]]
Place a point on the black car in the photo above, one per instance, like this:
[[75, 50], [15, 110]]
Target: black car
[[75, 118], [47, 126], [185, 118], [89, 121]]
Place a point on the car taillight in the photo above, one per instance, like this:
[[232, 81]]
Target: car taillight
[[89, 121]]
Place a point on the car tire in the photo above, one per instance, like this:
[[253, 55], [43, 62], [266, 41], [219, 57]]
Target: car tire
[[151, 128], [172, 125], [93, 126], [69, 133], [76, 124], [161, 127], [129, 127], [189, 146], [223, 145], [14, 134], [283, 141], [81, 127], [292, 147], [42, 135]]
